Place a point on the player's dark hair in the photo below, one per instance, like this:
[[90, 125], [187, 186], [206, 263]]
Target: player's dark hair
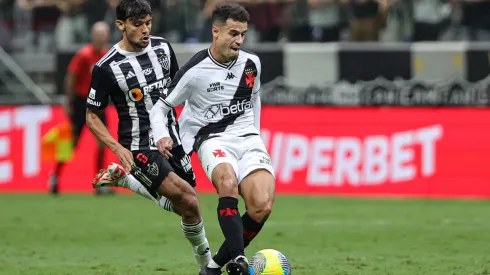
[[133, 9], [226, 11]]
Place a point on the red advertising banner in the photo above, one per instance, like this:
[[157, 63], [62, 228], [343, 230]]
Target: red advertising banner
[[419, 152]]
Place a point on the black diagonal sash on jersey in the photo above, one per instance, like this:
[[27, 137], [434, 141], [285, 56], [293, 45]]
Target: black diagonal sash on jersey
[[243, 92]]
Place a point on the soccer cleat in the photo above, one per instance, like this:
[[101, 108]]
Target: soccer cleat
[[238, 266], [113, 176], [210, 271]]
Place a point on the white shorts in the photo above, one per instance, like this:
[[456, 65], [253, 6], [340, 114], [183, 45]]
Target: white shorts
[[245, 154]]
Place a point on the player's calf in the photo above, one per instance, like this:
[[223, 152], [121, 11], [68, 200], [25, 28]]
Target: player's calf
[[182, 196], [185, 201], [225, 181]]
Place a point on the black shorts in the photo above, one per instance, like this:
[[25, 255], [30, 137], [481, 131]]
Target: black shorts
[[152, 168], [78, 116]]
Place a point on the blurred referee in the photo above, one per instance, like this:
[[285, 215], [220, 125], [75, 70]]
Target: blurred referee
[[77, 85]]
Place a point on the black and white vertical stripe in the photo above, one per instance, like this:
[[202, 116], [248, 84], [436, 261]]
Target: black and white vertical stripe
[[144, 69]]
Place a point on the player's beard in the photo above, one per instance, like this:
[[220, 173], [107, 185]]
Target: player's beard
[[138, 44]]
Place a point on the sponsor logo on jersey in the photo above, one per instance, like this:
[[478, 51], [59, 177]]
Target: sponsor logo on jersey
[[216, 86], [222, 110], [230, 76], [93, 102], [137, 94]]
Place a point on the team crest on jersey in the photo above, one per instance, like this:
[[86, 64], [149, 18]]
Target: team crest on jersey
[[164, 61], [249, 77]]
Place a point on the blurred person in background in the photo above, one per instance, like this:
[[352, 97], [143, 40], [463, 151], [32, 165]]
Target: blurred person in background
[[475, 19], [324, 18], [77, 86], [44, 16], [428, 19], [366, 19], [72, 27], [6, 23]]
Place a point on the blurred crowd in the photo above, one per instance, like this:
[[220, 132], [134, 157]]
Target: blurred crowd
[[48, 25]]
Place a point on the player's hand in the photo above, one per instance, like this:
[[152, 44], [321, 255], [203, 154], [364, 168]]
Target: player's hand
[[125, 158], [164, 145]]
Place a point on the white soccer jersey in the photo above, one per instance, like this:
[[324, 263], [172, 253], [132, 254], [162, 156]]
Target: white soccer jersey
[[220, 100]]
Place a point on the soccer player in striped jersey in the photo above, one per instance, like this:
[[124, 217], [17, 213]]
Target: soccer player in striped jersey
[[221, 122], [133, 74]]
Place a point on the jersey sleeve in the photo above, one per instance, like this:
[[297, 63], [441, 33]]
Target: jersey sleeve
[[256, 96], [180, 88], [174, 64], [101, 86]]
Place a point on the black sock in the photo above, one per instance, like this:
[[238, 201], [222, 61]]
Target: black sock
[[250, 229], [231, 225]]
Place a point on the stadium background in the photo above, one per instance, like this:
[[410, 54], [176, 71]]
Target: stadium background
[[388, 116]]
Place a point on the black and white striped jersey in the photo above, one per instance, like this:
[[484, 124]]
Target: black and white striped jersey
[[135, 81], [220, 99]]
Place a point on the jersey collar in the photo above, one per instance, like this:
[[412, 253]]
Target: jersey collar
[[225, 66]]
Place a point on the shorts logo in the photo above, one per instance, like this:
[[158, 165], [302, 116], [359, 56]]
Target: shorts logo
[[142, 158], [218, 153], [266, 161], [153, 169], [186, 163]]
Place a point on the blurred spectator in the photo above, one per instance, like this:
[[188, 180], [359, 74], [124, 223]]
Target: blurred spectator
[[266, 15], [325, 20], [300, 29], [44, 18], [365, 20], [476, 19], [428, 19], [110, 19], [77, 85], [6, 22], [72, 28]]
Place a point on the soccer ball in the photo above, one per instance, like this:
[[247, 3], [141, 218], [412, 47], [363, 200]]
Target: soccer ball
[[269, 262]]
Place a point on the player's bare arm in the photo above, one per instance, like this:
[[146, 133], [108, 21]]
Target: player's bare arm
[[100, 131]]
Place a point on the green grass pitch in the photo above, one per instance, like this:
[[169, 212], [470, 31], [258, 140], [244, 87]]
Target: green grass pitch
[[126, 235]]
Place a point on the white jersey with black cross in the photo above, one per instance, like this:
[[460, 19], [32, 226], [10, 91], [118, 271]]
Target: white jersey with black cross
[[220, 100], [134, 81]]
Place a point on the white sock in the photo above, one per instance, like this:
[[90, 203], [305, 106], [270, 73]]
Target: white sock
[[213, 264], [165, 204], [132, 183], [196, 235]]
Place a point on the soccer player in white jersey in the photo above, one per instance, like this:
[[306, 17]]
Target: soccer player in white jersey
[[133, 74], [221, 122]]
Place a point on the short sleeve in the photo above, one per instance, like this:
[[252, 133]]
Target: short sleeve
[[101, 86], [257, 82], [174, 64], [179, 89]]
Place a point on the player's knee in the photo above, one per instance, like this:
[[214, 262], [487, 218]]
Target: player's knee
[[190, 204], [228, 187], [260, 210]]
